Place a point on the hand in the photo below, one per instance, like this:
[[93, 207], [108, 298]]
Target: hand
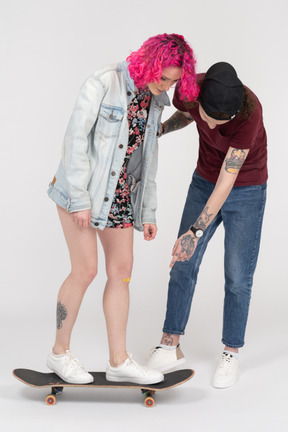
[[150, 231], [184, 248], [82, 218]]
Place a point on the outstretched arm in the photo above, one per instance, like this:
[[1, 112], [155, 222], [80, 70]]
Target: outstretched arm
[[186, 244], [178, 120]]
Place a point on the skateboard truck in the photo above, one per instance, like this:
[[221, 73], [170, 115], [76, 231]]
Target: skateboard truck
[[149, 400], [51, 398]]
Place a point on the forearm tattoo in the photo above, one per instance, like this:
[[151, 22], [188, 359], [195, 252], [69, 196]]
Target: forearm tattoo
[[167, 339], [187, 244], [175, 122], [61, 314], [235, 161], [203, 219]]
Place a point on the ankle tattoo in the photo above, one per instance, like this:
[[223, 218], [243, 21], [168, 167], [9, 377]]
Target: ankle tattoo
[[167, 339]]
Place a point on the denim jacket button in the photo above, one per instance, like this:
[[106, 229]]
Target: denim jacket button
[[113, 173], [106, 199], [121, 146], [96, 223], [129, 93]]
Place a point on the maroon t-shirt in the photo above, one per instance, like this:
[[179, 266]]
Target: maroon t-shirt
[[237, 133]]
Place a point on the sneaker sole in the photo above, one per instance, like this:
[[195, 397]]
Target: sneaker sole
[[223, 386], [131, 380]]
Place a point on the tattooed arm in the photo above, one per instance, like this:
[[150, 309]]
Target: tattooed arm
[[186, 244], [178, 120]]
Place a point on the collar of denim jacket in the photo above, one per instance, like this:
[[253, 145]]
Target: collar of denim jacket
[[163, 99], [129, 81]]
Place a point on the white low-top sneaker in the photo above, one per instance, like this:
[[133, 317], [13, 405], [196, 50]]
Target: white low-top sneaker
[[227, 372], [68, 368], [163, 360], [130, 371]]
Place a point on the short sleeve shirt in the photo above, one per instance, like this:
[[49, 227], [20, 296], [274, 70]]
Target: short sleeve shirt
[[237, 133]]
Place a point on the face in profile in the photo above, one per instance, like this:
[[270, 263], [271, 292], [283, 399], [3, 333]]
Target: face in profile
[[170, 76]]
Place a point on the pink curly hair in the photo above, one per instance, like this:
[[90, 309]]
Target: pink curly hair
[[160, 52]]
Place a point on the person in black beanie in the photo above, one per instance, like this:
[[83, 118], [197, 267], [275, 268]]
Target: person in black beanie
[[229, 186]]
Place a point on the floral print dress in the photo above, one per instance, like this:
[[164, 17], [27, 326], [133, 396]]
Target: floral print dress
[[121, 211]]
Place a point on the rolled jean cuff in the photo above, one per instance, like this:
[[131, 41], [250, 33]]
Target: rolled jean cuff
[[173, 332], [229, 345]]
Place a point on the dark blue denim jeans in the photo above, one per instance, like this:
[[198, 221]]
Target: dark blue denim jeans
[[242, 216]]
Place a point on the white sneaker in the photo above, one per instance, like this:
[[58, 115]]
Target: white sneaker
[[132, 372], [162, 360], [227, 372], [68, 368]]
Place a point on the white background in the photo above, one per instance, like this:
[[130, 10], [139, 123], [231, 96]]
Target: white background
[[48, 48]]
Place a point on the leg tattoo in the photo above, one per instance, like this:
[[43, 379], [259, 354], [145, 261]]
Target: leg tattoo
[[61, 314], [167, 339]]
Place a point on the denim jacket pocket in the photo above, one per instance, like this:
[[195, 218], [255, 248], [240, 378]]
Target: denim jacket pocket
[[109, 121]]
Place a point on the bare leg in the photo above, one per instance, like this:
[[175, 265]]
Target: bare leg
[[170, 339], [118, 248], [82, 245]]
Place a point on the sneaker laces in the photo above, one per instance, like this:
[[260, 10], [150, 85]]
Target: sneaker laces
[[152, 352], [73, 362], [135, 365], [225, 363]]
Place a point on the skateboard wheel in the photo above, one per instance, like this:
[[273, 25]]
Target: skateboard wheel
[[149, 402], [51, 399]]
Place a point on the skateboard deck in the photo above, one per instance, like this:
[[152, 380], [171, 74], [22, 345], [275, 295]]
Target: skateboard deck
[[44, 380]]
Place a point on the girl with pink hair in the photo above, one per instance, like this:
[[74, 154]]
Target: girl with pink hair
[[161, 52], [105, 186]]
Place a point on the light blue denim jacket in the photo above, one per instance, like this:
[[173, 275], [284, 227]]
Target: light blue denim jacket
[[95, 145]]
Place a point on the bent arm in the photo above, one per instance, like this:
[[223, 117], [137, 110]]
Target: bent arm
[[228, 174], [178, 120], [150, 195], [186, 244], [74, 154]]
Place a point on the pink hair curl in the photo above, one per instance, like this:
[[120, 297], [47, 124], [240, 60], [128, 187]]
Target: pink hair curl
[[160, 52]]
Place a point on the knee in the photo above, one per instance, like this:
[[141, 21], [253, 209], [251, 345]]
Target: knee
[[239, 288], [120, 273], [85, 275]]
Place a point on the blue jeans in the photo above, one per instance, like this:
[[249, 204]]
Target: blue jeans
[[242, 216]]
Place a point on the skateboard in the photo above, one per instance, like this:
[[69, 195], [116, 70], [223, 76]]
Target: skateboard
[[44, 380]]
